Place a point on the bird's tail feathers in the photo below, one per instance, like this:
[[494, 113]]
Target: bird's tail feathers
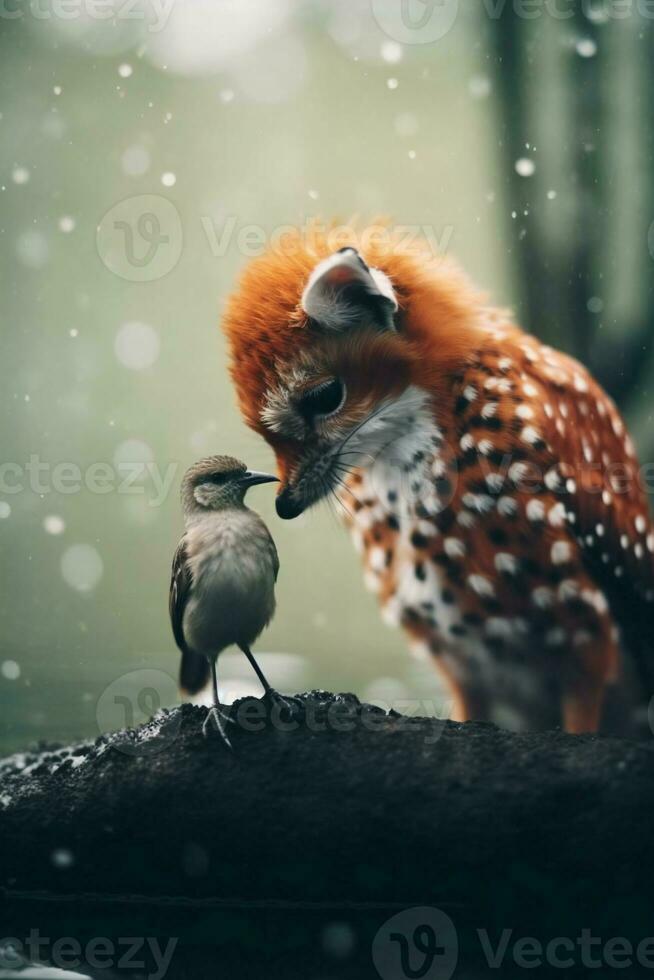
[[193, 672]]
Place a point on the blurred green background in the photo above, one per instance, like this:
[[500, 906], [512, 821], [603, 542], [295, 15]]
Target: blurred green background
[[143, 157]]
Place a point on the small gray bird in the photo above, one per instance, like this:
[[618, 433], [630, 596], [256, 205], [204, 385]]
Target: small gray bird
[[222, 590]]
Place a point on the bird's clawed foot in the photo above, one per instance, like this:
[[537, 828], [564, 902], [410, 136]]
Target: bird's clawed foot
[[288, 706], [218, 719]]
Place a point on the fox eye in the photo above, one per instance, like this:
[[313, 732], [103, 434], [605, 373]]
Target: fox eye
[[323, 400]]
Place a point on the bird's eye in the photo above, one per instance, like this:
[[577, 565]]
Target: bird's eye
[[323, 400], [223, 477]]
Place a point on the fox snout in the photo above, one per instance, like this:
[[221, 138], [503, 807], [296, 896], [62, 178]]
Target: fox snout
[[288, 506]]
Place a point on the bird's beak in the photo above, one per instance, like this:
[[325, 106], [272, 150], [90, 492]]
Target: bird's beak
[[252, 478], [287, 505]]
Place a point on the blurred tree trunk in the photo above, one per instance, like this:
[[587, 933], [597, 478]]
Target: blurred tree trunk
[[535, 272], [555, 285]]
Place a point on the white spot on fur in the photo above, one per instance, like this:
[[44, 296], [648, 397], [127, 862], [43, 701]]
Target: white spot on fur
[[499, 627], [504, 562], [561, 552], [530, 435], [480, 502], [507, 506], [466, 519], [494, 481], [552, 479], [518, 472], [542, 596], [481, 585], [555, 637], [557, 515], [569, 589], [454, 547], [536, 510]]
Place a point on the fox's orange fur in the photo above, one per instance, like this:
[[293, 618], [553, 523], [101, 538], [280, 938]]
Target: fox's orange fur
[[545, 563], [264, 323]]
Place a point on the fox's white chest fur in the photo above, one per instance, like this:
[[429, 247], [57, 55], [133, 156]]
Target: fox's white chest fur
[[400, 448]]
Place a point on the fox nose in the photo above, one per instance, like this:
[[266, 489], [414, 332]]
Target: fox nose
[[287, 506]]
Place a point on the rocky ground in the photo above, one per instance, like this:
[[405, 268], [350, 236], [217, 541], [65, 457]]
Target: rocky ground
[[296, 847]]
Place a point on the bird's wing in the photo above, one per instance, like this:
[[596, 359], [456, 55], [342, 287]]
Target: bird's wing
[[180, 584], [275, 556], [194, 667]]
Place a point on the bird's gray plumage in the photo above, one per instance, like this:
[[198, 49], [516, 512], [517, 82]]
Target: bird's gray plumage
[[222, 589]]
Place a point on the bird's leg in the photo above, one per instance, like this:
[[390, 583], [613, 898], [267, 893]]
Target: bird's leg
[[216, 715], [289, 703]]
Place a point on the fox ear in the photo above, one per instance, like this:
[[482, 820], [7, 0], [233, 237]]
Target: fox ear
[[343, 292]]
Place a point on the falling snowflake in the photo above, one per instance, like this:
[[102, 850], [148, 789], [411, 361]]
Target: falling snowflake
[[132, 457], [479, 87], [168, 179], [586, 47], [391, 52], [525, 167], [10, 670], [81, 567], [20, 175], [62, 858], [137, 345], [135, 161], [406, 124], [32, 249], [53, 524]]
